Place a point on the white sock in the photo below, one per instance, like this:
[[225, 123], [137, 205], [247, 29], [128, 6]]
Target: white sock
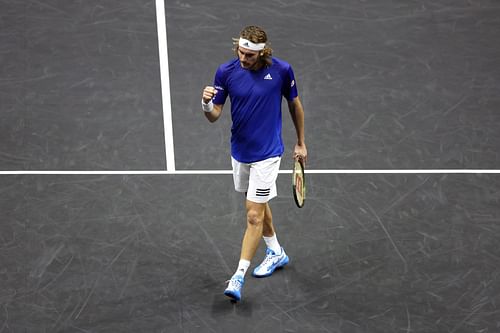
[[242, 267], [273, 244]]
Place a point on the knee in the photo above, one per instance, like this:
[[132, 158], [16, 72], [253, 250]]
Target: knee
[[255, 218]]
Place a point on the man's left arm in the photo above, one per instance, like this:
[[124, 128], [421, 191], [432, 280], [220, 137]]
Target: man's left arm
[[297, 114]]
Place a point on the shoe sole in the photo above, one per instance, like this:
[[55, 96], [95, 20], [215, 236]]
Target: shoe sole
[[271, 272], [232, 296]]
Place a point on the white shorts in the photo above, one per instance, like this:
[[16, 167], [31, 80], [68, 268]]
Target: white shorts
[[257, 179]]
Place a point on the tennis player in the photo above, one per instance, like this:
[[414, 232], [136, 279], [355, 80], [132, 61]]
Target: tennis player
[[256, 82]]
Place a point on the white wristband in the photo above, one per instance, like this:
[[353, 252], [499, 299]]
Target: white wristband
[[207, 107]]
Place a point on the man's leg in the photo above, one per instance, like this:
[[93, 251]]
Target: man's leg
[[275, 254], [256, 213], [269, 233], [249, 245], [259, 181], [268, 228]]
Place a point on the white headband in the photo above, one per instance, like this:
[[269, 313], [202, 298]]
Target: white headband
[[251, 46]]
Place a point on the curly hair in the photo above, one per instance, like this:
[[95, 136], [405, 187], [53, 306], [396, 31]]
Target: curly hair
[[256, 35]]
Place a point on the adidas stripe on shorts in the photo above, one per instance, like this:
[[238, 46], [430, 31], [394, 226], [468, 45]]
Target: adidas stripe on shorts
[[257, 179]]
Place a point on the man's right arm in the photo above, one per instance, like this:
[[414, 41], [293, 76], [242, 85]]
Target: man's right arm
[[212, 111]]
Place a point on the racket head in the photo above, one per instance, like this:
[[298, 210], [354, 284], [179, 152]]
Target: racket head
[[299, 183]]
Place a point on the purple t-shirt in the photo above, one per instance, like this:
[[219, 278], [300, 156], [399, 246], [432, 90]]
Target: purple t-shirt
[[255, 107]]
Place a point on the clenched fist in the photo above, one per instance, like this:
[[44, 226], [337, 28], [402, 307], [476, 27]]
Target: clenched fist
[[208, 93]]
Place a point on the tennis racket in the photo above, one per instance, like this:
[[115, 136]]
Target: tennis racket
[[299, 183]]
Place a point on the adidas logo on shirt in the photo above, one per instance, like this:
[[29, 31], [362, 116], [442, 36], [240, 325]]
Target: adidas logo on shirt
[[268, 77]]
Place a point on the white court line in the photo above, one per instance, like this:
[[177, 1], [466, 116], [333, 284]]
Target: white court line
[[165, 85], [169, 137], [229, 172]]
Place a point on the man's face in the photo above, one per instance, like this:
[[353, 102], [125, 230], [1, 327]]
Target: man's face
[[248, 58]]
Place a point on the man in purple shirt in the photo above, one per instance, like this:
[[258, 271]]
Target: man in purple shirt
[[256, 82]]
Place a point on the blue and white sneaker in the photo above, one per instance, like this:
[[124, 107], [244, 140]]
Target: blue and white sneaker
[[233, 289], [271, 262]]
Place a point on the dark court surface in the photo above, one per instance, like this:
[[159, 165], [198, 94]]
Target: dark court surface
[[385, 85], [386, 253], [80, 86]]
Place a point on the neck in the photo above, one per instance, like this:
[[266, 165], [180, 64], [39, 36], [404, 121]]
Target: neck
[[258, 65]]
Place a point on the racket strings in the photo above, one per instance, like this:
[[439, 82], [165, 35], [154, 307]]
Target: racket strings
[[298, 181]]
